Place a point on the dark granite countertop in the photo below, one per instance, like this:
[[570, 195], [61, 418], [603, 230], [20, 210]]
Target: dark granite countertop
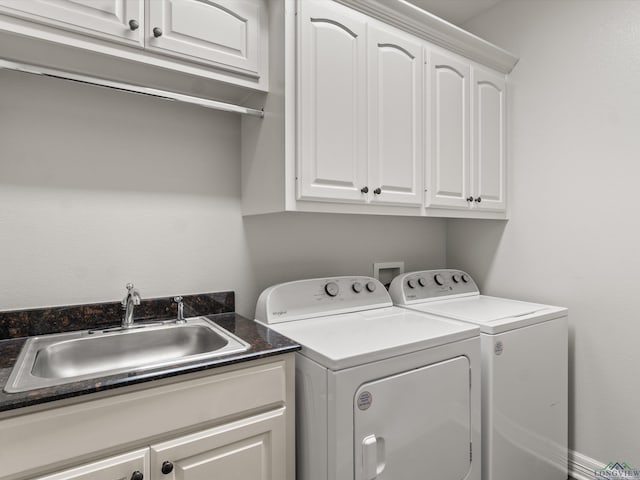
[[263, 343]]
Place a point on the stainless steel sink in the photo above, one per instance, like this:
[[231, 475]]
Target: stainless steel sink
[[67, 357]]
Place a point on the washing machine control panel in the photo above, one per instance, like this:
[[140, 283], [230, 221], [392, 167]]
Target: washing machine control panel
[[430, 285], [320, 296]]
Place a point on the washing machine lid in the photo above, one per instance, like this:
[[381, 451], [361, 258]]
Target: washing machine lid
[[347, 340], [492, 314]]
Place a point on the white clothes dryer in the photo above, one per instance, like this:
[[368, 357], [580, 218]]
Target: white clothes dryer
[[524, 371], [381, 392]]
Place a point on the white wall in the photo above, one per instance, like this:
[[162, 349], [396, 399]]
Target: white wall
[[99, 188], [573, 235]]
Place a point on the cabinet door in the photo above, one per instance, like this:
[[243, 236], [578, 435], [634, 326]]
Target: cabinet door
[[332, 159], [395, 117], [252, 448], [488, 156], [121, 467], [448, 175], [229, 33], [108, 19]]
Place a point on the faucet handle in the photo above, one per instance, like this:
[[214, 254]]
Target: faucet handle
[[180, 315], [132, 294]]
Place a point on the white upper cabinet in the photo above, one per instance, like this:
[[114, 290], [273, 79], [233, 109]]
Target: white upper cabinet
[[226, 32], [448, 173], [488, 165], [466, 158], [379, 109], [114, 20], [360, 110], [395, 117], [332, 104], [225, 40]]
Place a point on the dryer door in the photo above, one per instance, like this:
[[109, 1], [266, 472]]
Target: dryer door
[[415, 424]]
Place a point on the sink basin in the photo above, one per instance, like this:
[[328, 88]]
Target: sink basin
[[67, 357]]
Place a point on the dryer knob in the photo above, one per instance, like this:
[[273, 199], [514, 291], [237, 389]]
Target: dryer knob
[[422, 281], [455, 278], [357, 287], [465, 278], [371, 286], [332, 289], [439, 279], [411, 283]]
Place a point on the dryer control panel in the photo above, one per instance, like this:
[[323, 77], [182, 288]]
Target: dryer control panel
[[317, 297], [428, 285]]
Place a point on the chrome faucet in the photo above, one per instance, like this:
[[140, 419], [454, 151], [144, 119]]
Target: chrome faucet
[[180, 315], [132, 298]]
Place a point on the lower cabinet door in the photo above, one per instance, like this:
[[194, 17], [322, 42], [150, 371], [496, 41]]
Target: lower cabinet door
[[130, 466], [252, 448]]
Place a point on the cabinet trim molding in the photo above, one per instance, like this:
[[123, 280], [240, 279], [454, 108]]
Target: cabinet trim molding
[[427, 26]]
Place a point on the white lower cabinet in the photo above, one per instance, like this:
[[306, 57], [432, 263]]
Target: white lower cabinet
[[129, 466], [251, 448], [234, 425]]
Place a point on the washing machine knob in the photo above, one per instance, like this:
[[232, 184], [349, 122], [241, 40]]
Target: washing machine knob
[[357, 287], [371, 286], [455, 278], [439, 279], [465, 278], [411, 283], [422, 281], [332, 289]]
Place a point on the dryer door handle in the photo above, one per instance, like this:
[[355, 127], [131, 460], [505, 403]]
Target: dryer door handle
[[373, 457]]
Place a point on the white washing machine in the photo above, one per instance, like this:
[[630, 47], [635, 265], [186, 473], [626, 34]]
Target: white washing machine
[[381, 392], [524, 371]]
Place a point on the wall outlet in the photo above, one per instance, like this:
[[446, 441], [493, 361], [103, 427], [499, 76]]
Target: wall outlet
[[386, 271]]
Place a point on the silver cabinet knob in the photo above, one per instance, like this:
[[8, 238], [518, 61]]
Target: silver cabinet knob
[[157, 32], [133, 25]]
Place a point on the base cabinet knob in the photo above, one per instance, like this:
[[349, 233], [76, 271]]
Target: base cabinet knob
[[167, 467], [157, 32], [377, 191], [137, 475], [478, 199]]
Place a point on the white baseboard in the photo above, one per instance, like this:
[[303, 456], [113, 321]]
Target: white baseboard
[[582, 467]]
